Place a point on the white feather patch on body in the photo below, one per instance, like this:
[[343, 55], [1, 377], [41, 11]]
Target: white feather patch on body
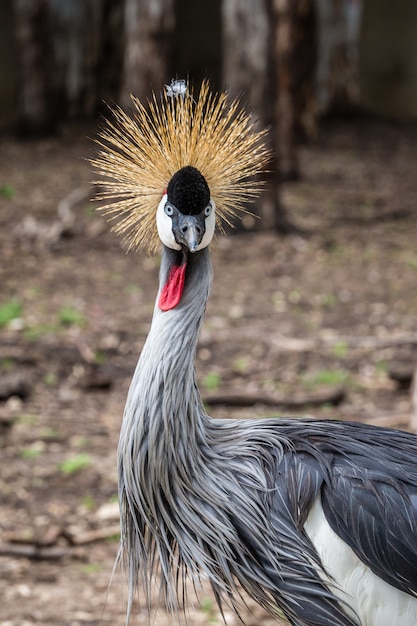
[[374, 601]]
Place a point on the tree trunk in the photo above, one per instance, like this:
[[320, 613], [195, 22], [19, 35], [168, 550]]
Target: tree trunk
[[74, 28], [69, 59], [35, 115], [149, 26], [198, 42], [283, 112], [293, 62], [245, 53], [337, 74], [246, 74], [291, 71], [107, 53], [265, 58]]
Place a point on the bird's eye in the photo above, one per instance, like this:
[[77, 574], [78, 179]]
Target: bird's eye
[[207, 210], [169, 210]]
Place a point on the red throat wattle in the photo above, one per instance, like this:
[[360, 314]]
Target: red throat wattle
[[172, 290]]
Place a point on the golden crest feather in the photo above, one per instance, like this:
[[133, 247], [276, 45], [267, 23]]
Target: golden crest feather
[[139, 155]]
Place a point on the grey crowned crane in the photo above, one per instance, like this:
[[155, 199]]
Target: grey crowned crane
[[313, 519]]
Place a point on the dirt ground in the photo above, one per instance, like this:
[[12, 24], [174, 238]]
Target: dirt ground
[[322, 323]]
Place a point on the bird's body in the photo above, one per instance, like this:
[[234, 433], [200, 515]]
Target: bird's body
[[315, 518], [240, 503]]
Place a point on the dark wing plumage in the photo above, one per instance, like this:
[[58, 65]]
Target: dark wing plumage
[[367, 480], [375, 513], [368, 493]]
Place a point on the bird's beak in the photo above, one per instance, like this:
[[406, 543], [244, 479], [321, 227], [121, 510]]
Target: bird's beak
[[189, 230]]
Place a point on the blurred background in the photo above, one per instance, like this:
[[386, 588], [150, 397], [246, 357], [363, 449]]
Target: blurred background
[[294, 61], [60, 60], [313, 308]]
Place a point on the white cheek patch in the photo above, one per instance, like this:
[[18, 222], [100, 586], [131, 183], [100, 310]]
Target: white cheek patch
[[164, 226], [210, 228]]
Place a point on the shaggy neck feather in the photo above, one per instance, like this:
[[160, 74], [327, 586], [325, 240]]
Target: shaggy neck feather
[[163, 401]]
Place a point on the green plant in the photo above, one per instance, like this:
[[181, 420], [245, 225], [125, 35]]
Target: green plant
[[211, 381], [294, 296], [28, 419], [99, 357], [49, 379], [75, 464], [132, 289], [326, 377], [34, 450], [241, 364], [89, 210], [412, 262], [381, 367], [9, 311], [328, 300], [368, 207], [7, 191], [50, 433], [91, 568], [89, 502], [207, 607], [30, 453], [32, 333], [7, 364], [69, 316], [340, 349], [81, 442]]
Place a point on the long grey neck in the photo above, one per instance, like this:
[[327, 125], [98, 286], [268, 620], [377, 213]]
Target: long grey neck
[[163, 403]]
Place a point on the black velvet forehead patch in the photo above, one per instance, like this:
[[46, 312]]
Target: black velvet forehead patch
[[188, 191]]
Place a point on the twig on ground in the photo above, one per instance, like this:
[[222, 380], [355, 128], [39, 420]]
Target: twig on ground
[[333, 395], [37, 552]]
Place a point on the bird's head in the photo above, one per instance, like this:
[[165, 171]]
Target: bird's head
[[205, 151], [186, 222], [186, 214]]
